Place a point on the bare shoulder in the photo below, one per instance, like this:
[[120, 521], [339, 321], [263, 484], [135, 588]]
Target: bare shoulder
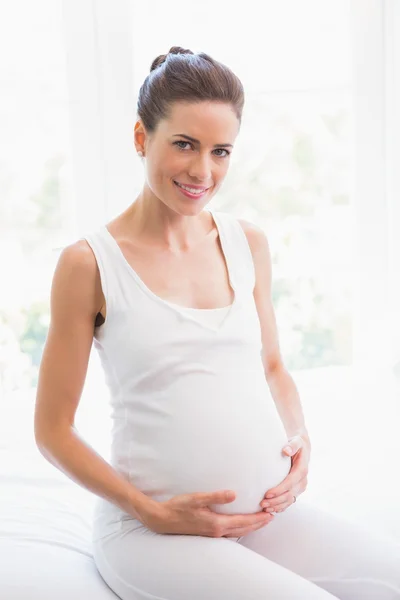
[[79, 253], [77, 261], [257, 240], [77, 274]]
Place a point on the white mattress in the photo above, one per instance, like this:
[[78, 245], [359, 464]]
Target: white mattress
[[45, 522], [45, 544], [34, 571]]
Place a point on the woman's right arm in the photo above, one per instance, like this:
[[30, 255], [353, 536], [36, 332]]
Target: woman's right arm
[[76, 298]]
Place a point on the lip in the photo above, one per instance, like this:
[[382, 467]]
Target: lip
[[195, 187], [189, 195]]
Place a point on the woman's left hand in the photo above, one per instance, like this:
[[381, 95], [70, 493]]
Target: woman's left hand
[[279, 498]]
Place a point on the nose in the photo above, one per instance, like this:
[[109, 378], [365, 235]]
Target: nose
[[200, 168]]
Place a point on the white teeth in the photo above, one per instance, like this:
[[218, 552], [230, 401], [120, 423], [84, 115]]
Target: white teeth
[[191, 190]]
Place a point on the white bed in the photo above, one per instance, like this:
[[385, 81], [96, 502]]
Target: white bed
[[45, 518], [45, 523]]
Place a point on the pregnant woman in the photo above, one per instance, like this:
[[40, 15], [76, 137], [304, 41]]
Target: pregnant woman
[[178, 300]]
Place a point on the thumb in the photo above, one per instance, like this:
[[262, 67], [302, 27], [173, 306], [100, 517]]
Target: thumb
[[294, 445]]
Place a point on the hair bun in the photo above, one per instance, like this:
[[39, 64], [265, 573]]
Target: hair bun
[[163, 57]]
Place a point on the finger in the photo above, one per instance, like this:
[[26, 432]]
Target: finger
[[294, 445], [293, 481], [281, 506], [282, 488], [239, 531], [245, 530], [200, 499], [297, 483], [289, 450], [290, 482], [241, 521], [284, 506], [274, 502]]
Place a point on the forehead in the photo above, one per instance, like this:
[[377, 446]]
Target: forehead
[[204, 119]]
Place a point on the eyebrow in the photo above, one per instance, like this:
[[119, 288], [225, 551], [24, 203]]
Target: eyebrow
[[198, 141]]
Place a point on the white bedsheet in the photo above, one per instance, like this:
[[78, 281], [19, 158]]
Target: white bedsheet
[[45, 522]]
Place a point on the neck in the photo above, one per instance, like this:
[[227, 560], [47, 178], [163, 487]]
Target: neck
[[154, 223]]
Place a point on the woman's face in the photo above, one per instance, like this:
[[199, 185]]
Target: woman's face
[[170, 157]]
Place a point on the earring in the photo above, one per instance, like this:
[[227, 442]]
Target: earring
[[140, 153]]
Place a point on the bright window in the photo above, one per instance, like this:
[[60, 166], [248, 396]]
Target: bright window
[[292, 169], [36, 208]]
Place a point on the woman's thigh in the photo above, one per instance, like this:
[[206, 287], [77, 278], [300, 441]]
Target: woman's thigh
[[139, 564], [337, 555]]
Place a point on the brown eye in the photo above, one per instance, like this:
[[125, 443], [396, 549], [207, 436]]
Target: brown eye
[[218, 149], [181, 142], [223, 150]]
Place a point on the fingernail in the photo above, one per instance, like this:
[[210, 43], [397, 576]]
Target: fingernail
[[288, 450], [270, 496]]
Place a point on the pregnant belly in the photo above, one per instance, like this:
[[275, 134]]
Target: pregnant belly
[[207, 442]]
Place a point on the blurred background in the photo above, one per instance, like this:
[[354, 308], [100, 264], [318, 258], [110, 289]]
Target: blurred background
[[315, 165]]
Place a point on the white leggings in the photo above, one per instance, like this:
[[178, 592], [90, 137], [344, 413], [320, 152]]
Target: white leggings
[[304, 554]]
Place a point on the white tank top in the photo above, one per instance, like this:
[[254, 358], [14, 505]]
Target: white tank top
[[191, 407], [212, 317]]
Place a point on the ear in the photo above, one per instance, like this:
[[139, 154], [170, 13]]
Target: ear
[[139, 135]]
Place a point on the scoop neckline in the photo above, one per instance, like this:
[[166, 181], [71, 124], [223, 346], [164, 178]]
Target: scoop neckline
[[178, 307]]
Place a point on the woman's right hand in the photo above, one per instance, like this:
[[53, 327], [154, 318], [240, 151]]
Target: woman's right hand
[[189, 514]]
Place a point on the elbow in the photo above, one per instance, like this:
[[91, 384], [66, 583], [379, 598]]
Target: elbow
[[47, 435], [51, 443], [42, 440], [41, 431], [273, 368]]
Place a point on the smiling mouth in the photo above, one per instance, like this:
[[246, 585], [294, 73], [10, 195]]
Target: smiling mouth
[[189, 188]]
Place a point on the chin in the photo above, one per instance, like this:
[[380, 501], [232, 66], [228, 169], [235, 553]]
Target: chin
[[189, 209]]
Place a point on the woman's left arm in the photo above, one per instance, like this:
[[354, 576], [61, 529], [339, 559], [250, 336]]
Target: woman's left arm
[[280, 382], [287, 400]]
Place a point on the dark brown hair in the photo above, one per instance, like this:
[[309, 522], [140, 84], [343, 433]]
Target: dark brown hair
[[184, 76]]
